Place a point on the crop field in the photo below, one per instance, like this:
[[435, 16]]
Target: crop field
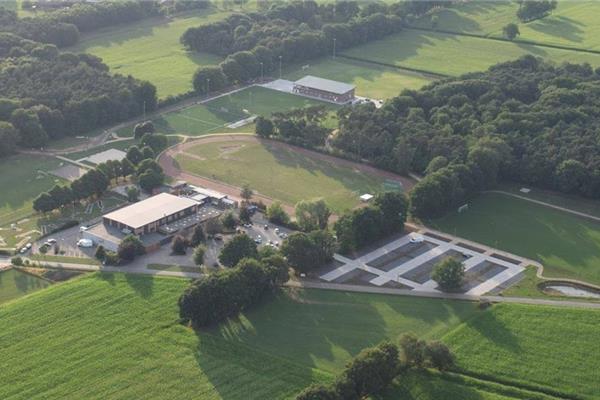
[[371, 80], [568, 246], [214, 116], [279, 172], [533, 346], [15, 284], [572, 24], [150, 50], [95, 336], [447, 53]]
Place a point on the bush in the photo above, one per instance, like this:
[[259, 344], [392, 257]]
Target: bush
[[438, 356], [130, 247], [198, 236], [413, 350], [18, 261], [112, 258], [449, 274], [100, 253], [178, 245], [228, 220], [199, 252]]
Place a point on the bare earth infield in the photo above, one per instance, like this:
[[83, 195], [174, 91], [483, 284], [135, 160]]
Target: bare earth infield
[[170, 167]]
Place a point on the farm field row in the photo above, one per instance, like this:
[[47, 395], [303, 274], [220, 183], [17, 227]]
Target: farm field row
[[568, 246], [279, 172], [572, 24], [446, 53], [274, 350]]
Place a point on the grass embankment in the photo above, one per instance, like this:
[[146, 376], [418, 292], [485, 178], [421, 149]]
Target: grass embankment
[[568, 246], [150, 50], [15, 284], [533, 346], [214, 116], [446, 53], [573, 23], [280, 172], [116, 336]]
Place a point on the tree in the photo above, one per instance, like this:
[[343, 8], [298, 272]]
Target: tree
[[30, 130], [246, 193], [449, 274], [228, 220], [150, 180], [264, 127], [511, 31], [143, 128], [571, 176], [318, 392], [413, 350], [209, 79], [435, 164], [9, 138], [307, 251], [213, 226], [178, 245], [44, 203], [312, 215], [148, 164], [130, 247], [277, 215], [132, 194], [157, 142], [241, 246], [245, 214], [438, 356], [127, 168], [199, 252], [148, 153], [100, 253], [134, 155], [394, 209], [198, 236]]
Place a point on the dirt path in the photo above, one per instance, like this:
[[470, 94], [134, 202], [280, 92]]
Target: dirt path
[[170, 167]]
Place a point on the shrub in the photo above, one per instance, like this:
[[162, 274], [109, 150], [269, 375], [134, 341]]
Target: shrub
[[199, 252], [449, 274], [130, 247], [18, 261], [100, 253], [178, 245], [438, 356]]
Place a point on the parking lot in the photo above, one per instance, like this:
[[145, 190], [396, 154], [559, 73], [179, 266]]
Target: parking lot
[[408, 263]]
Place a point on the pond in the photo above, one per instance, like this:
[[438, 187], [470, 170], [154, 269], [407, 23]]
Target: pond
[[15, 283], [571, 290]]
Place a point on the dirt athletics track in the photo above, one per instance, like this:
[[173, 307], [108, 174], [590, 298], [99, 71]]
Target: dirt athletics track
[[171, 167]]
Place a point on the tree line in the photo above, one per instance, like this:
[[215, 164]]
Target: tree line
[[93, 184], [530, 10], [373, 370], [257, 43]]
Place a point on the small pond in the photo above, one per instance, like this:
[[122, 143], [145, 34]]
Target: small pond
[[15, 283], [571, 290]]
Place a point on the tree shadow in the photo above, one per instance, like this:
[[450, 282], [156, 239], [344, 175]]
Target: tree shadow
[[142, 284], [493, 329], [107, 277], [559, 26]]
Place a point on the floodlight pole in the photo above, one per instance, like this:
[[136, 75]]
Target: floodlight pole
[[261, 73], [144, 109], [334, 47], [207, 86], [279, 67]]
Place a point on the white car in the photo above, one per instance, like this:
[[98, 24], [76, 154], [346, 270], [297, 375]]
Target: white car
[[51, 241], [416, 239], [86, 243]]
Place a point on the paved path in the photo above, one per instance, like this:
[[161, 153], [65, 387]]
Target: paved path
[[440, 295], [543, 203]]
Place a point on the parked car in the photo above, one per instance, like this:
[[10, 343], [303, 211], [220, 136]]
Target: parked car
[[51, 241], [85, 243], [219, 237]]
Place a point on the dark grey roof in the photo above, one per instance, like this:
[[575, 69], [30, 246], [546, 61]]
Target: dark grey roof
[[325, 84]]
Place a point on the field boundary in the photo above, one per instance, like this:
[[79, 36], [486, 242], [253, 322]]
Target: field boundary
[[399, 67], [501, 39]]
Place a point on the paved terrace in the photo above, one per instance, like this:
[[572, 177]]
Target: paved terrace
[[442, 246]]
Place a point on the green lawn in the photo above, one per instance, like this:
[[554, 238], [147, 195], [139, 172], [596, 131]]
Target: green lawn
[[568, 246], [177, 268], [533, 345], [15, 284], [116, 336], [150, 50], [446, 53], [64, 259], [572, 24], [23, 177], [371, 80], [280, 173], [214, 116]]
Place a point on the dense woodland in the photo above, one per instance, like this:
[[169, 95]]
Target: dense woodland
[[45, 94], [256, 43]]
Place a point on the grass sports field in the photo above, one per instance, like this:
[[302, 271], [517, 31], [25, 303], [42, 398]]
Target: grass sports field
[[15, 284], [214, 116], [572, 24], [279, 172], [51, 348], [533, 345], [371, 80], [150, 50], [568, 246], [446, 53]]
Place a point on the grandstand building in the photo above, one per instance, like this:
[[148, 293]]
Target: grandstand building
[[324, 89]]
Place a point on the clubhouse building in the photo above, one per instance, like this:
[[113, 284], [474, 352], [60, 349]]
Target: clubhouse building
[[324, 89]]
